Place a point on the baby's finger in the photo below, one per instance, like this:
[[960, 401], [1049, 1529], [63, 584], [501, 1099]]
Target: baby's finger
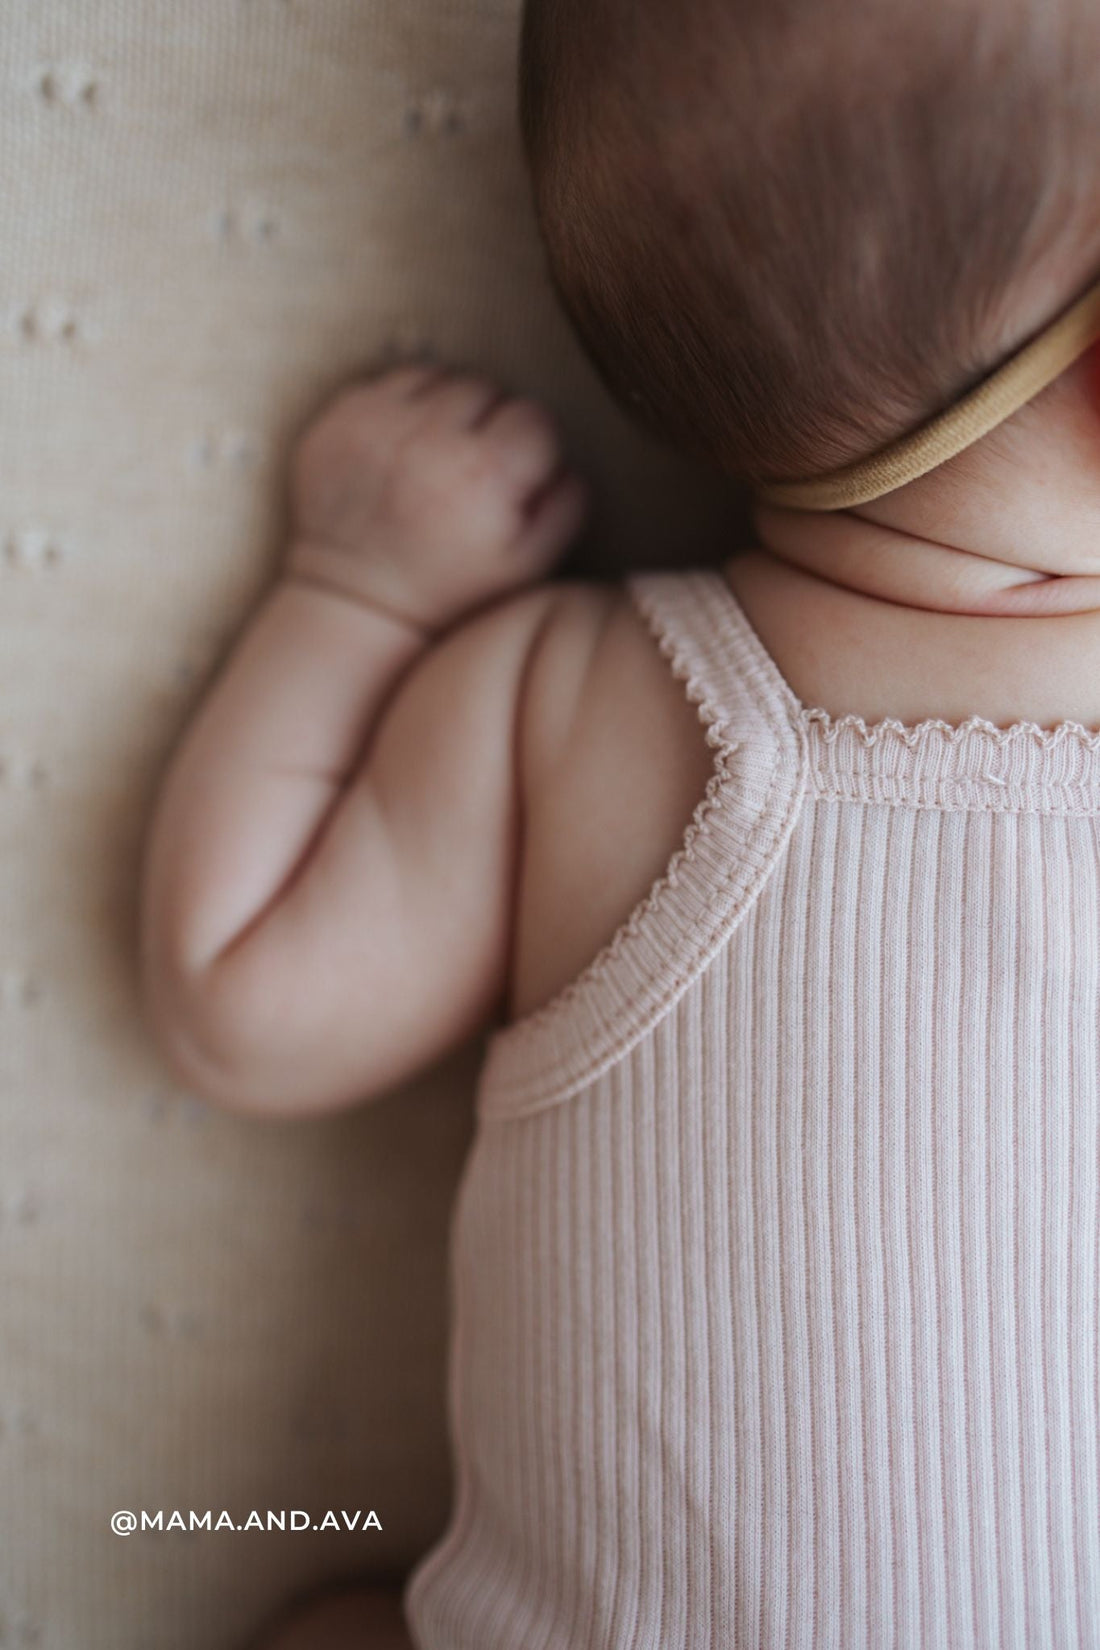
[[456, 399], [412, 378], [526, 447], [553, 518], [430, 376]]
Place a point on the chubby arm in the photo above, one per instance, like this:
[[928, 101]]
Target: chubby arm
[[328, 882]]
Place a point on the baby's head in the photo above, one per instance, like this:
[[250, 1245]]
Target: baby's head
[[789, 231]]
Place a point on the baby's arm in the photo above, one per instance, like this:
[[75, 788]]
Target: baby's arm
[[329, 877]]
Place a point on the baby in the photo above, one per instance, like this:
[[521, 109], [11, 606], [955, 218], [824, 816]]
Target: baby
[[777, 885]]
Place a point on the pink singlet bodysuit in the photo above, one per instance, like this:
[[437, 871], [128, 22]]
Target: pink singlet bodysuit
[[775, 1257]]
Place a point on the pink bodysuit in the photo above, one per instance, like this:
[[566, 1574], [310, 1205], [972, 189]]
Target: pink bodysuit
[[775, 1257]]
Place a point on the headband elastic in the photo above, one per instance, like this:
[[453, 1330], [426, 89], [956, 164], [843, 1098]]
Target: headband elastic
[[996, 398]]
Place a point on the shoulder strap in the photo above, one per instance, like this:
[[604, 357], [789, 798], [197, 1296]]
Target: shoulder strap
[[705, 634], [730, 848]]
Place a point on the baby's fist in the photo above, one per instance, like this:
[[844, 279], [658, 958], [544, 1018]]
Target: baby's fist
[[429, 492]]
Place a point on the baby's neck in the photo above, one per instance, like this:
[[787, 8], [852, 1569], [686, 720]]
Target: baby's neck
[[1009, 527], [900, 566]]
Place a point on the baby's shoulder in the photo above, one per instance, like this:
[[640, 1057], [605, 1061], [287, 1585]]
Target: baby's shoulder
[[597, 680], [615, 761]]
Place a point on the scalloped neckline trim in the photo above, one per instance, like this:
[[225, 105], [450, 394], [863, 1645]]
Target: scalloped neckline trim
[[973, 728], [913, 733]]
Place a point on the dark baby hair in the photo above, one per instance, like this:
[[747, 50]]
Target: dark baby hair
[[787, 231]]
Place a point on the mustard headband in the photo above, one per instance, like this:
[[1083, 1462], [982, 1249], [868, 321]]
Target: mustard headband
[[996, 398]]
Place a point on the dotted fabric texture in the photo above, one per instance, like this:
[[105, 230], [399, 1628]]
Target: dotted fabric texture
[[213, 214]]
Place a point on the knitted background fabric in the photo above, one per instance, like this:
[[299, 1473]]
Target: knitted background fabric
[[212, 215]]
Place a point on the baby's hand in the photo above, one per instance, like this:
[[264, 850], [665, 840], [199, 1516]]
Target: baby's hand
[[427, 492]]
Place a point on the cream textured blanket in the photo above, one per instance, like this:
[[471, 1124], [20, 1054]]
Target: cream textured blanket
[[212, 213]]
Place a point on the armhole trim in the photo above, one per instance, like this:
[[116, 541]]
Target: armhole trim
[[729, 849]]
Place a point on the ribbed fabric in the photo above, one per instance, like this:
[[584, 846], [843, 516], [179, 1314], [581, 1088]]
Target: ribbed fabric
[[775, 1263]]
